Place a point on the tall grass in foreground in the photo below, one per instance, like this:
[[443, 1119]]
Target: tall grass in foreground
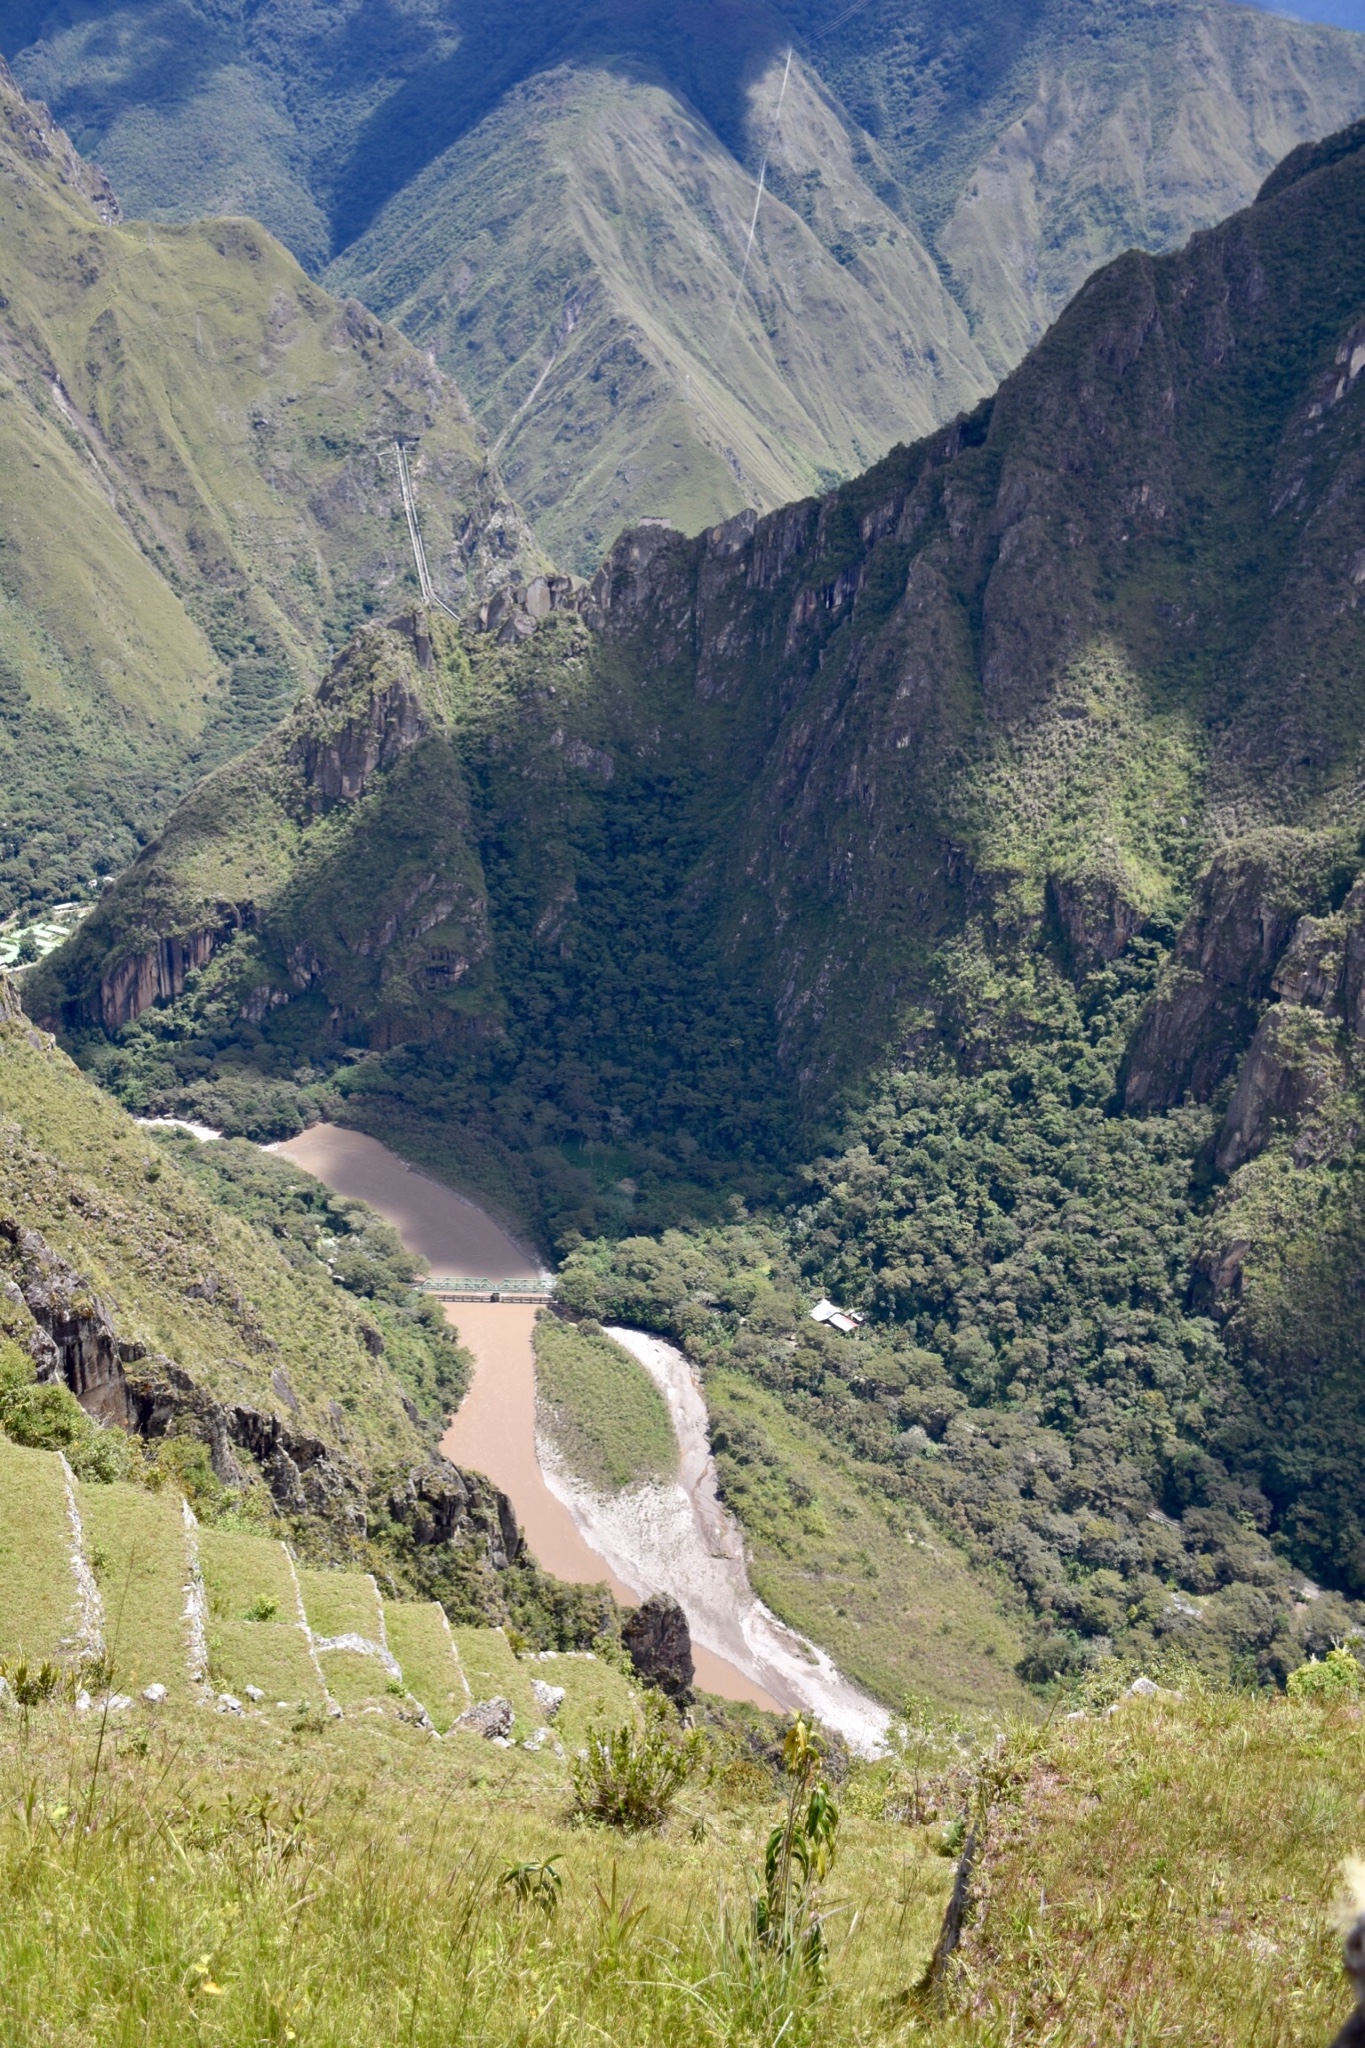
[[345, 1887], [1165, 1874]]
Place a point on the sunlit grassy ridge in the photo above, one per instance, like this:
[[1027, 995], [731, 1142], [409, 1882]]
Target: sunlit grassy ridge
[[557, 199], [210, 434]]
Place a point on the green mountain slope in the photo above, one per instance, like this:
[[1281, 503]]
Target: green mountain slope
[[604, 339], [558, 201], [956, 874], [201, 499]]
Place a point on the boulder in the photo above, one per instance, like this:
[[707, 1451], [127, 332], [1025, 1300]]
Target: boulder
[[659, 1644], [549, 1698], [490, 1718]]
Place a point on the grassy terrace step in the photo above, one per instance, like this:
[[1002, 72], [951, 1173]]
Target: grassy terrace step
[[342, 1604], [493, 1670], [346, 1604], [136, 1542], [37, 1589], [246, 1573], [420, 1638], [594, 1691]]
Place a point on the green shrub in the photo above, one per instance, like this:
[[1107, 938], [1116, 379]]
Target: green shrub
[[629, 1777], [798, 1857], [1337, 1676], [49, 1418]]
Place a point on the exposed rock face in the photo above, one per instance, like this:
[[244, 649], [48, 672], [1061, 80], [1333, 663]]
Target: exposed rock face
[[159, 974], [346, 743], [75, 1342], [1095, 916], [493, 1719], [1287, 1080], [1223, 970], [659, 1644], [514, 612], [439, 1503]]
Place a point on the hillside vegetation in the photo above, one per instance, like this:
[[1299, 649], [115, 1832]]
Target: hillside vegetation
[[557, 200], [604, 1414], [204, 1320], [943, 894], [202, 502]]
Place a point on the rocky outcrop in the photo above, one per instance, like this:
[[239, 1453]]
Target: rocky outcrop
[[1095, 917], [659, 1644], [159, 972], [74, 1342], [440, 1503], [1307, 1048], [1222, 973], [514, 611], [1288, 1080], [351, 738]]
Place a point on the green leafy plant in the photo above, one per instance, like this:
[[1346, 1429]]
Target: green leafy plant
[[629, 1777], [798, 1857], [262, 1609], [617, 1919], [534, 1884], [32, 1684], [1337, 1676]]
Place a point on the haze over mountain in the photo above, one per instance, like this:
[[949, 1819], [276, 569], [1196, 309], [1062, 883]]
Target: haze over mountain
[[558, 200]]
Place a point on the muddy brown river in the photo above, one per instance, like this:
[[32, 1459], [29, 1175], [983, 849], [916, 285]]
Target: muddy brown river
[[495, 1429]]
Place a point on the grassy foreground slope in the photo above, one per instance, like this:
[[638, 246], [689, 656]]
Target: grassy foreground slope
[[202, 501], [1171, 1870], [557, 199]]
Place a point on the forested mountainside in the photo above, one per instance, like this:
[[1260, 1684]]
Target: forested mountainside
[[200, 502], [943, 893], [557, 201]]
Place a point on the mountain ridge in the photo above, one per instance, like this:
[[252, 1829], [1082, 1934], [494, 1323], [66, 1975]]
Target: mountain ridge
[[211, 436], [951, 175]]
